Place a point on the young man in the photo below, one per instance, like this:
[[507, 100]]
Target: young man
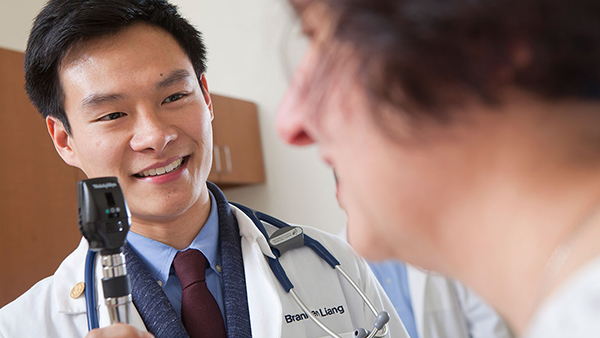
[[121, 85]]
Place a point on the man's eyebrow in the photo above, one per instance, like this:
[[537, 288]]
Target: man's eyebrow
[[173, 78], [97, 99]]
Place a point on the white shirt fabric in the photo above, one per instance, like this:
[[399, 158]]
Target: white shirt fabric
[[445, 308], [573, 310]]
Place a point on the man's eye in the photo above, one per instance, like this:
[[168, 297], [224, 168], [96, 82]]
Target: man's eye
[[111, 116], [174, 97]]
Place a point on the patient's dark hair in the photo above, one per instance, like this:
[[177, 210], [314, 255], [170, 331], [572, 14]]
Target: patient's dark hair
[[427, 55], [63, 23]]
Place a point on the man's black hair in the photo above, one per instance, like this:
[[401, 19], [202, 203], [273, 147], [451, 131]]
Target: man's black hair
[[63, 23]]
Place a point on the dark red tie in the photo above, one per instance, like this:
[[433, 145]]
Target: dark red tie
[[200, 312]]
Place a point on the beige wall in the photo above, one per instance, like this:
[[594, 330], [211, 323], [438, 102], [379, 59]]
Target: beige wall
[[252, 48], [16, 17]]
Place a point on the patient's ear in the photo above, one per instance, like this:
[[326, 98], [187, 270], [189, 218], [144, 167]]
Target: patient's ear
[[62, 141]]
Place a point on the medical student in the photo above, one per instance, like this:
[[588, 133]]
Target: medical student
[[122, 88], [465, 137]]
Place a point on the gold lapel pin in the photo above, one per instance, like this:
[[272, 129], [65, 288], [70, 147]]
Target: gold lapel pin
[[77, 290]]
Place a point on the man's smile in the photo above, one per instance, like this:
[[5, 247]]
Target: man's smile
[[163, 170]]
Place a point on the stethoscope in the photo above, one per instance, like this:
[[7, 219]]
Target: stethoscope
[[90, 291], [282, 240], [289, 237]]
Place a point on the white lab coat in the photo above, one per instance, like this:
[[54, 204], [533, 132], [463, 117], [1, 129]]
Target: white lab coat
[[445, 308], [47, 310]]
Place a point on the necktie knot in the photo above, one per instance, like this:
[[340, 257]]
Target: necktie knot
[[190, 267]]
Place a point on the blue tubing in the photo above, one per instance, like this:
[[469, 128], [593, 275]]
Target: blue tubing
[[90, 291]]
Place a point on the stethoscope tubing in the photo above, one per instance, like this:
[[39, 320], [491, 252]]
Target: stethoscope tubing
[[317, 247], [90, 291]]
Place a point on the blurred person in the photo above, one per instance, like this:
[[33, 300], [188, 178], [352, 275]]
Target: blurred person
[[465, 138], [432, 305]]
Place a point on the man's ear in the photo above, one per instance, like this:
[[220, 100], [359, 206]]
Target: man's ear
[[62, 141], [206, 94]]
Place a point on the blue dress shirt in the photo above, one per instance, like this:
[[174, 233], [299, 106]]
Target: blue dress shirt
[[158, 258], [393, 278]]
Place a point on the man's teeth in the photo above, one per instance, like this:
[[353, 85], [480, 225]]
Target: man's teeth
[[159, 171]]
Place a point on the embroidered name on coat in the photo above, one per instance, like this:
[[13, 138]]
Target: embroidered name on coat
[[323, 312]]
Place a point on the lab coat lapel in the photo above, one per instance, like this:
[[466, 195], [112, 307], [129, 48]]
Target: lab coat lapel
[[437, 313], [266, 313], [72, 271], [417, 284]]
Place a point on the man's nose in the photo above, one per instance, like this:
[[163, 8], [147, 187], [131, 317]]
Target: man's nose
[[152, 132]]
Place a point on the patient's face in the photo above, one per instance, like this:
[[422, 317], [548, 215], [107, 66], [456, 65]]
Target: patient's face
[[391, 188]]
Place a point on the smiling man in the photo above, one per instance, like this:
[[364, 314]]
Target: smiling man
[[147, 121], [121, 86]]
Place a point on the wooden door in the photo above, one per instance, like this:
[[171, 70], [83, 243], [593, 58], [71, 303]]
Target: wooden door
[[38, 191]]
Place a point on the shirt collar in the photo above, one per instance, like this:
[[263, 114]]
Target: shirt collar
[[207, 240], [158, 257]]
